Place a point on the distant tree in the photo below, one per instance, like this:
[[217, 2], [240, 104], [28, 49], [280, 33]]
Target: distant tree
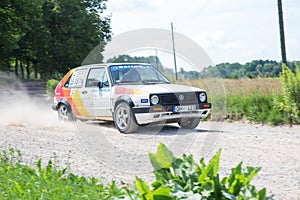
[[255, 68], [153, 60]]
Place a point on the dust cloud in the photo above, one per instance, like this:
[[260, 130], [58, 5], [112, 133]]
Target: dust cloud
[[17, 108]]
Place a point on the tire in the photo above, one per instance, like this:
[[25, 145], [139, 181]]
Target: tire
[[189, 123], [124, 119], [64, 115]]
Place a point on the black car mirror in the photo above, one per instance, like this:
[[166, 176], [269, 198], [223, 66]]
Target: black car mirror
[[100, 84]]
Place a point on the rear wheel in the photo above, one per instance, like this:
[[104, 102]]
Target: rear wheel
[[64, 115], [189, 123], [124, 119]]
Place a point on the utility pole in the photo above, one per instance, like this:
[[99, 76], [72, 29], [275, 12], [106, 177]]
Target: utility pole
[[174, 54], [281, 28]]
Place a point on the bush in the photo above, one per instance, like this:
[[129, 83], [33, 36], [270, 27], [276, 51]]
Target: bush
[[254, 107], [51, 85], [289, 100], [178, 178]]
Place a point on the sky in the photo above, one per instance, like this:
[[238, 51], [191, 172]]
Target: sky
[[228, 30]]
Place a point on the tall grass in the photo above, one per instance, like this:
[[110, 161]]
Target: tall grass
[[243, 99], [233, 87]]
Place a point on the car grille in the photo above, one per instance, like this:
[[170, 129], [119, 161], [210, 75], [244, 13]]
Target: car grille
[[174, 98]]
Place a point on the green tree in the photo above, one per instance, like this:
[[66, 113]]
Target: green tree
[[74, 29], [50, 36], [13, 17]]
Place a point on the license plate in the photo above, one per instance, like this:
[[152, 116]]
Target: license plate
[[184, 108]]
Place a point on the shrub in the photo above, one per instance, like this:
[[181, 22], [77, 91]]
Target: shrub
[[254, 107], [183, 178], [289, 100], [51, 85]]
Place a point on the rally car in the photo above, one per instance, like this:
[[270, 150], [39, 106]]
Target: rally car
[[131, 95]]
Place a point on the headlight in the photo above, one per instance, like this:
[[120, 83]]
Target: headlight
[[154, 99], [202, 97]]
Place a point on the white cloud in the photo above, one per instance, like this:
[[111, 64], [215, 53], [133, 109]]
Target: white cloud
[[230, 30], [217, 39]]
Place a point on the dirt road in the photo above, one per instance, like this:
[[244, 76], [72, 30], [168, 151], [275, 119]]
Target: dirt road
[[99, 150]]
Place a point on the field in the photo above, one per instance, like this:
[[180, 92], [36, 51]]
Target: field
[[232, 87], [250, 100]]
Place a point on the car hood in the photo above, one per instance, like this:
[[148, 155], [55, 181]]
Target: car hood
[[154, 88]]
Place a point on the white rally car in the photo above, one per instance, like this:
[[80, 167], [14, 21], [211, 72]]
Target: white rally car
[[129, 94]]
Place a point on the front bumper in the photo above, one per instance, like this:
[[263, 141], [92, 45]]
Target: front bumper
[[154, 114]]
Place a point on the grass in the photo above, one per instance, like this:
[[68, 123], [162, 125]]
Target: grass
[[233, 87], [242, 99], [18, 181]]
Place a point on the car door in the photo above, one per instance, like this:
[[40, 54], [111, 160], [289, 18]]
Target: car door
[[97, 99]]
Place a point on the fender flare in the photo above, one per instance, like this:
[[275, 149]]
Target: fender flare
[[64, 101], [123, 98], [126, 99]]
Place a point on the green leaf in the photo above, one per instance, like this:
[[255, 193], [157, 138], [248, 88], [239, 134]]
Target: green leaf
[[154, 161], [143, 188], [162, 193], [250, 173], [261, 195], [164, 156], [211, 170]]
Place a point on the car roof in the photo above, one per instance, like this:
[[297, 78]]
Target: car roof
[[108, 64]]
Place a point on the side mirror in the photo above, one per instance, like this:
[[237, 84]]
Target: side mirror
[[100, 84]]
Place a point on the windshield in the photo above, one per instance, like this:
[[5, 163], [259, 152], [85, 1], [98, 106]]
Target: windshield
[[136, 74]]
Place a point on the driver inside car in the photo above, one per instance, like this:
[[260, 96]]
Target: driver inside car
[[131, 76]]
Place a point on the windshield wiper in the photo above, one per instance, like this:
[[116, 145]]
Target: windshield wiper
[[129, 82], [154, 81]]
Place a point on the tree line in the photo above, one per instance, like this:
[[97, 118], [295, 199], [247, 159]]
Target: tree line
[[253, 69], [49, 36]]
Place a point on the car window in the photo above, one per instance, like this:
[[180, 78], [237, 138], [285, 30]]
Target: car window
[[105, 80], [77, 78], [67, 82], [136, 74], [149, 74], [95, 76]]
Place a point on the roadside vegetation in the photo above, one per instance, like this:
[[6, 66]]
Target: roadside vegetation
[[288, 101], [272, 101], [175, 178]]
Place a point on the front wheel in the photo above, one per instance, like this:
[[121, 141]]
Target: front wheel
[[124, 119], [64, 115], [189, 123]]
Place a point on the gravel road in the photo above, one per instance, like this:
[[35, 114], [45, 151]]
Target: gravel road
[[99, 150]]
